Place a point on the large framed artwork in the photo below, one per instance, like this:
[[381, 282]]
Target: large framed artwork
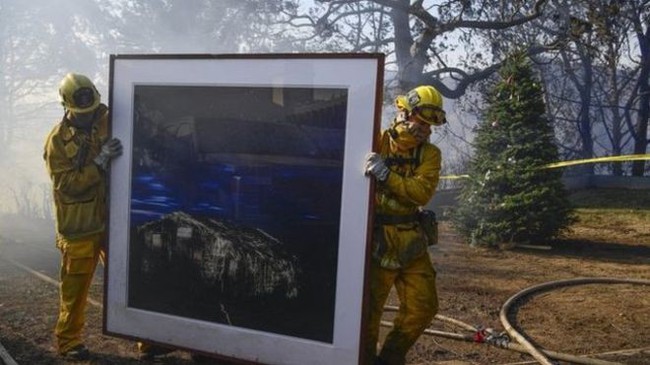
[[238, 222]]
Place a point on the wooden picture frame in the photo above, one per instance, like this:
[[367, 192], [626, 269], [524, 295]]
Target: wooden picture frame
[[238, 222]]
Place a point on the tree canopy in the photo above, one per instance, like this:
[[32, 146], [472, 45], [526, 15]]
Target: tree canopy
[[593, 56]]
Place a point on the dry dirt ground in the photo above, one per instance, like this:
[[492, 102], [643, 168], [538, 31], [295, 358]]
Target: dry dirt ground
[[607, 321]]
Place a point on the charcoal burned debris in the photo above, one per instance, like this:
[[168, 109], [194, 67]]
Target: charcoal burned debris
[[241, 261]]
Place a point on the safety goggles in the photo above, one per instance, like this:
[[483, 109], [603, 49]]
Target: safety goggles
[[430, 114], [83, 98]]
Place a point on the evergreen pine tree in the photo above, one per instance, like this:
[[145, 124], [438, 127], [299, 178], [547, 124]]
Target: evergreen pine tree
[[509, 197]]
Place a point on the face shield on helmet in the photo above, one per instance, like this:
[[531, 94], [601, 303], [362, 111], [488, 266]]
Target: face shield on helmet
[[78, 94], [424, 103]]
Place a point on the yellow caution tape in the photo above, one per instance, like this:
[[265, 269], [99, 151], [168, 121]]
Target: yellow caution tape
[[553, 165], [454, 177], [599, 159]]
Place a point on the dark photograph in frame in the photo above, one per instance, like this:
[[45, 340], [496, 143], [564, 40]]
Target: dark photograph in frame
[[235, 209], [239, 210]]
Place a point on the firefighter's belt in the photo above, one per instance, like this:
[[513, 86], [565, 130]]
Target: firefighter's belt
[[388, 220]]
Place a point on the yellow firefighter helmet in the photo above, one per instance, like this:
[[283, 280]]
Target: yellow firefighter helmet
[[425, 103], [78, 94]]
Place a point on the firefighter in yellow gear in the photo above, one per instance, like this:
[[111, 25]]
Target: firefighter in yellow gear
[[406, 169], [77, 154]]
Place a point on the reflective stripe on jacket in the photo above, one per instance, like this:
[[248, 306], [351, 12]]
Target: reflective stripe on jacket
[[79, 186], [410, 185]]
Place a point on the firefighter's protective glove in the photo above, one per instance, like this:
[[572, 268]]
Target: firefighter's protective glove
[[376, 166], [110, 149]]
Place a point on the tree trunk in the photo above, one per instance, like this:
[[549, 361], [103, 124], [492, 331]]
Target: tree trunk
[[614, 101], [409, 67], [641, 130], [584, 118]]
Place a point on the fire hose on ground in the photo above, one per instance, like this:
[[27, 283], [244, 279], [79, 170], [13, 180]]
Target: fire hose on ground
[[522, 344]]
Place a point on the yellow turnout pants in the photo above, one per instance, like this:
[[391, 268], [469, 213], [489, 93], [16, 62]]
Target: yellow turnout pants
[[79, 259], [416, 290]]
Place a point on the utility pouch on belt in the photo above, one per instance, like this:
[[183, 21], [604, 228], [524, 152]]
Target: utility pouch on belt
[[429, 225]]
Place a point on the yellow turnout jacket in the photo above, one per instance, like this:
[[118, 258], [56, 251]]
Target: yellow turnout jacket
[[411, 184], [79, 185]]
